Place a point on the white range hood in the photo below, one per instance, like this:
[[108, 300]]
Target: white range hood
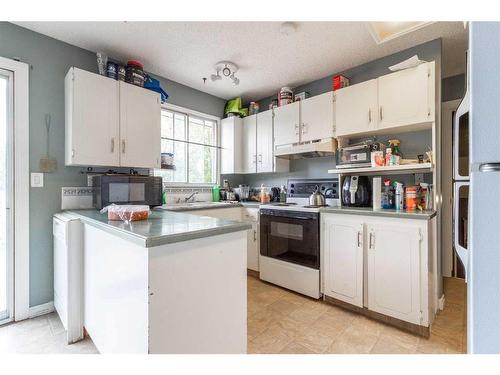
[[322, 147]]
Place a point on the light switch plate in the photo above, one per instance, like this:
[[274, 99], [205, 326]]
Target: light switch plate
[[36, 179]]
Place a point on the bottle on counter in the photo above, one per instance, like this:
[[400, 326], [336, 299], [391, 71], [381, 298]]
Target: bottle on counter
[[399, 196], [264, 194], [216, 193], [283, 194], [387, 195]]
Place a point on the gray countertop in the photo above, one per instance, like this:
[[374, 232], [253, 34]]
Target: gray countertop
[[368, 211], [162, 227]]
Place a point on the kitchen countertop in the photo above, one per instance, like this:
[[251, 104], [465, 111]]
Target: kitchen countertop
[[162, 227], [368, 211]]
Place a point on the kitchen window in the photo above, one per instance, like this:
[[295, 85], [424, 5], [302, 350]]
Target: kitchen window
[[191, 140]]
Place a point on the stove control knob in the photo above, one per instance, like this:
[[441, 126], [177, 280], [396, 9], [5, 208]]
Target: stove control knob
[[291, 191]]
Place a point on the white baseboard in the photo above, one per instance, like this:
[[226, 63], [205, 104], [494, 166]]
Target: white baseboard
[[45, 308], [441, 302]]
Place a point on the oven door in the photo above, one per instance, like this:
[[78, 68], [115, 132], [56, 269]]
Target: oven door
[[290, 236]]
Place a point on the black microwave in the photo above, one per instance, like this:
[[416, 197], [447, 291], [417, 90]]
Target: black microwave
[[127, 189]]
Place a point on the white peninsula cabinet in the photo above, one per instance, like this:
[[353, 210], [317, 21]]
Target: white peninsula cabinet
[[381, 265], [110, 123], [400, 101]]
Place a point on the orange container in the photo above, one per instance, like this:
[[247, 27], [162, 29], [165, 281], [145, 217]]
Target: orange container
[[411, 198]]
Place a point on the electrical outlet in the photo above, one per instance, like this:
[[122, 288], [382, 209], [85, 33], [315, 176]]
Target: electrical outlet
[[36, 179], [419, 177]]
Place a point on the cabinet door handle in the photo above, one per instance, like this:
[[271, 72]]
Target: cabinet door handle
[[372, 241], [260, 158], [370, 115], [304, 128], [296, 129], [381, 113], [112, 145], [254, 161], [359, 240], [123, 146], [255, 235]]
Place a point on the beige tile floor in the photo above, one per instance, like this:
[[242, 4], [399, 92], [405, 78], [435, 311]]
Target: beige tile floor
[[41, 335], [280, 321]]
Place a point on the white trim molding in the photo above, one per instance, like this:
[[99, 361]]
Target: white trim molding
[[38, 310], [21, 185]]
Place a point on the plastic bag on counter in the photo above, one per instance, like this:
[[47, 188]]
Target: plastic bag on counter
[[127, 212]]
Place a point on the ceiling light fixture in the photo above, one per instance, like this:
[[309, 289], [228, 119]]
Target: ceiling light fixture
[[227, 69], [385, 31]]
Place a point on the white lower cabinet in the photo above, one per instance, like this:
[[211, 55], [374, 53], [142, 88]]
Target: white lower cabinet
[[251, 215], [342, 242], [387, 265], [248, 214], [394, 270]]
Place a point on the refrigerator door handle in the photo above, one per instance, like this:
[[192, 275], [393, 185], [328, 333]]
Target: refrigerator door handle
[[462, 109], [462, 252]]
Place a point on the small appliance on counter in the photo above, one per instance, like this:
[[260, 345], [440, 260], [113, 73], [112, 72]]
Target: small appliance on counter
[[127, 189], [356, 191], [358, 155]]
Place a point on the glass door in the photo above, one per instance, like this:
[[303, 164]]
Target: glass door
[[6, 256], [290, 236]]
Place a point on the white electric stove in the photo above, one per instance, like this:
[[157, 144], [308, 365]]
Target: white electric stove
[[290, 236]]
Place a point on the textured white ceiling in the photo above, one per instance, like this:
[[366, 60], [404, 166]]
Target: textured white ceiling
[[185, 52]]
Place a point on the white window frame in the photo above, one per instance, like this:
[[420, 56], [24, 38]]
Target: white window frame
[[190, 112], [21, 180]]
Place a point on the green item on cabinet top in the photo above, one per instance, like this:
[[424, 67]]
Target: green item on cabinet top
[[233, 106], [244, 112]]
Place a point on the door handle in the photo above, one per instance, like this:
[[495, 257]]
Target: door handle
[[112, 145], [462, 252], [123, 146]]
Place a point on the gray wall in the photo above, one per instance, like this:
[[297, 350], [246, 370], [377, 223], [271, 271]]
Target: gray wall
[[50, 59], [412, 143], [453, 88]]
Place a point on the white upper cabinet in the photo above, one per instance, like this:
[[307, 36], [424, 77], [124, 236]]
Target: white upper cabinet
[[140, 127], [92, 119], [342, 265], [110, 123], [404, 100], [265, 142], [231, 147], [287, 124], [406, 97], [249, 144], [356, 109], [317, 117], [394, 270]]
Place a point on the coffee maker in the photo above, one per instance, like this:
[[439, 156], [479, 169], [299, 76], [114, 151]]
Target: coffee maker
[[356, 191]]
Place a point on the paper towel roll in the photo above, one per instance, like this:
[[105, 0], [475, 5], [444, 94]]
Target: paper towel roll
[[377, 193]]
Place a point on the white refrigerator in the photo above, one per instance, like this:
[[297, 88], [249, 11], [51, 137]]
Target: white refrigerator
[[482, 259]]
